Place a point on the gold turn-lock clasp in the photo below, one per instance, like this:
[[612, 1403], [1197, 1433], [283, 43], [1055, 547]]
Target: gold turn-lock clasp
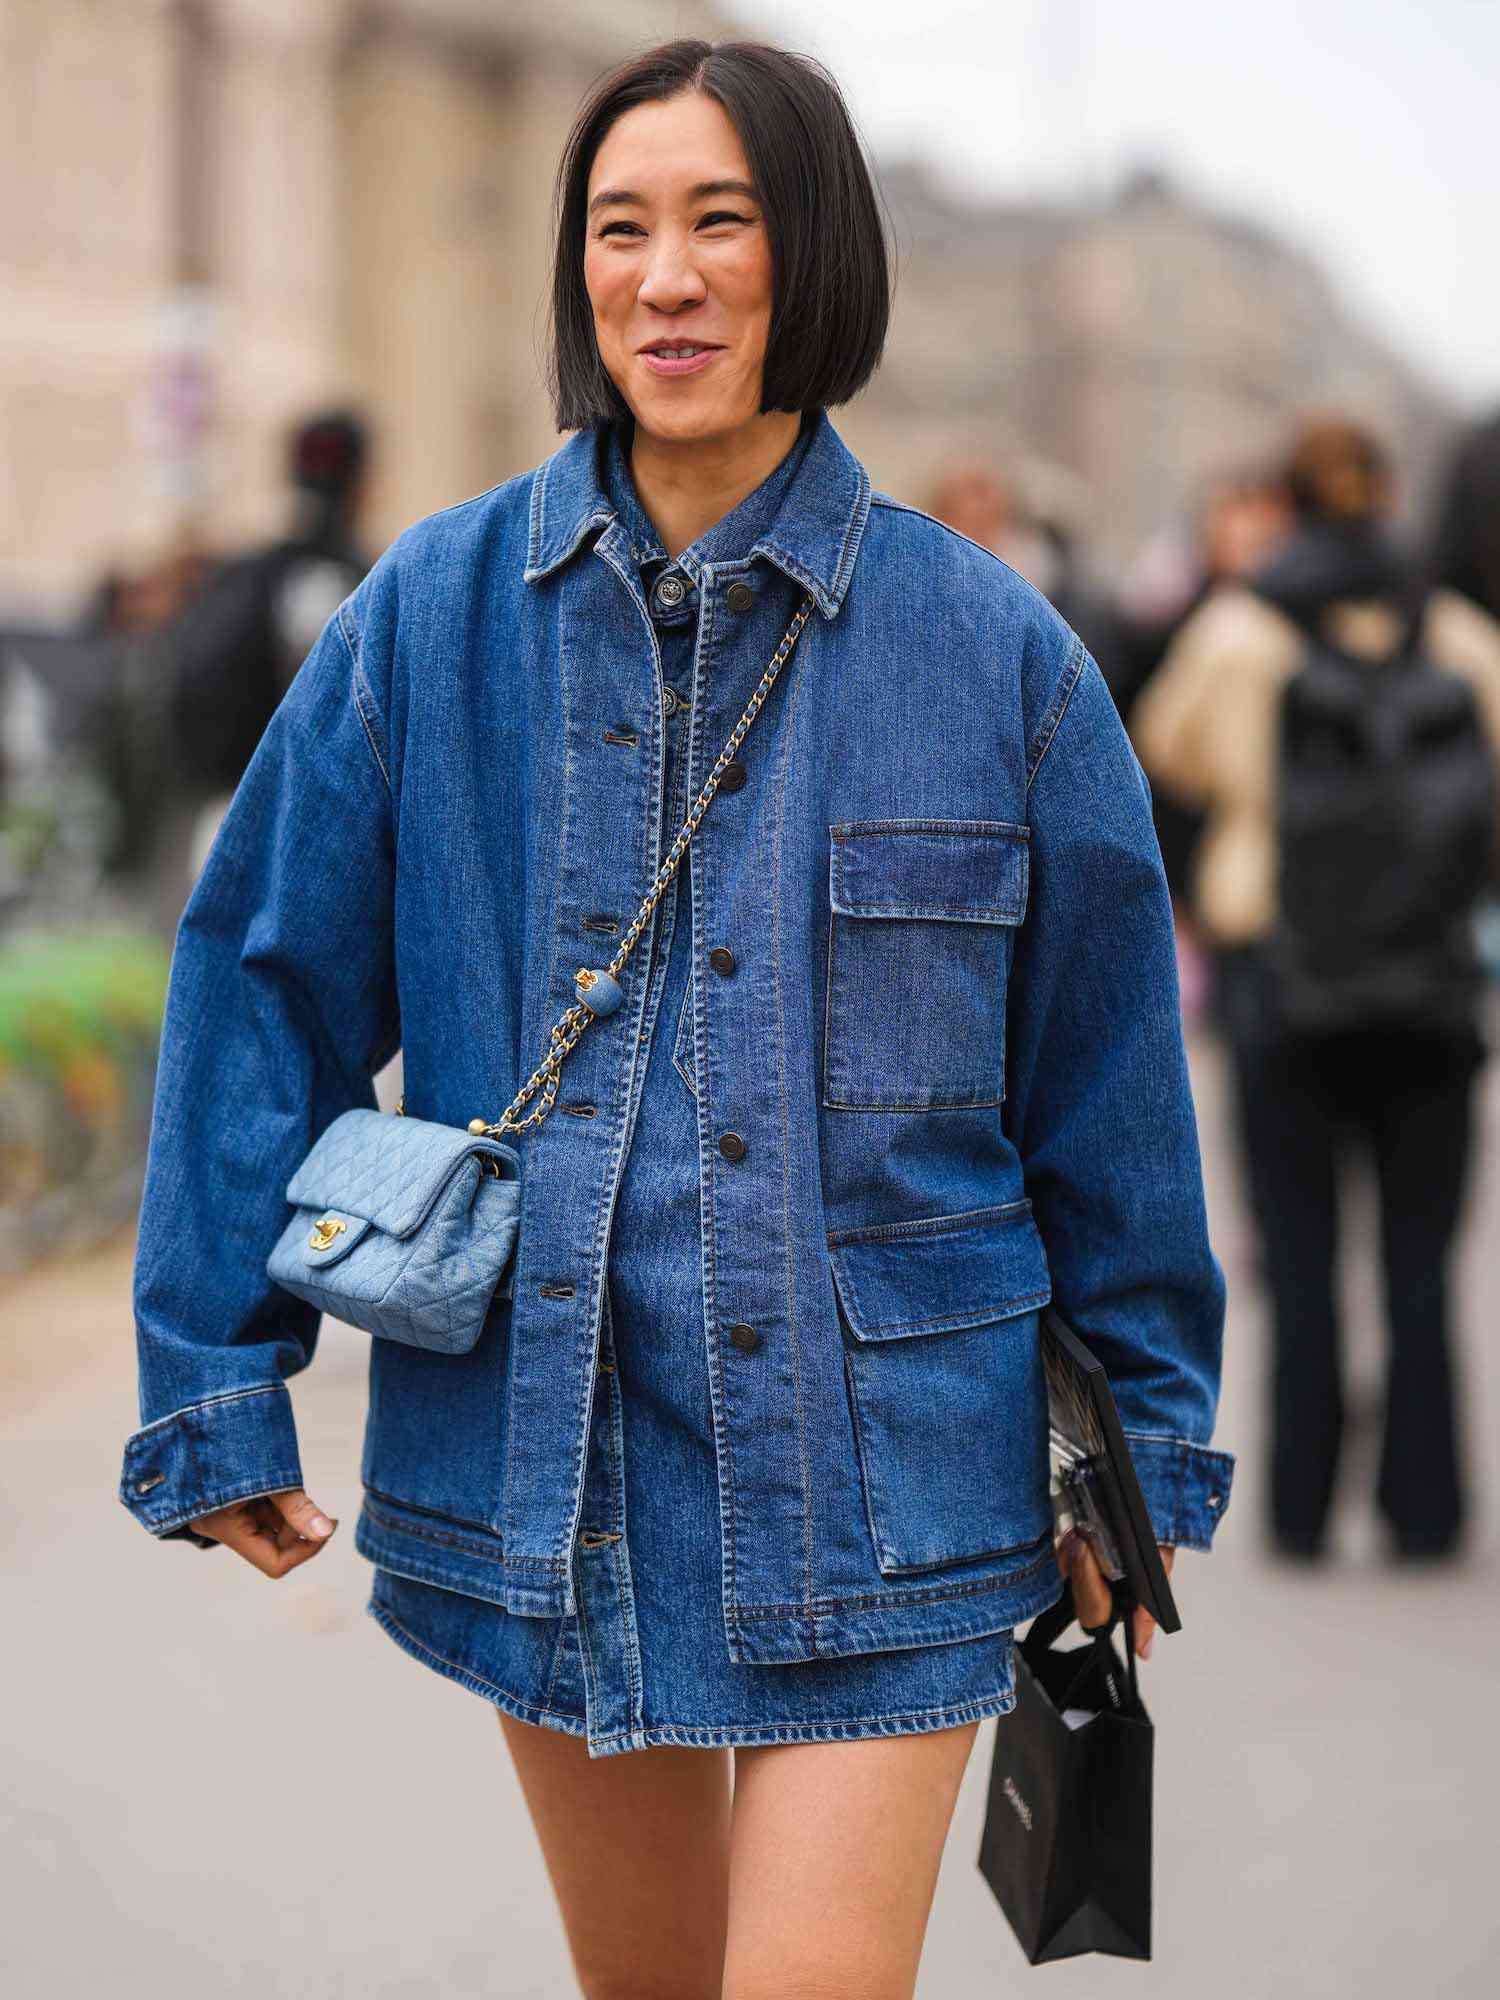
[[327, 1229]]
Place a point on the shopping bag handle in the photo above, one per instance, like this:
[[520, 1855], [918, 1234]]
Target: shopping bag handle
[[1049, 1625]]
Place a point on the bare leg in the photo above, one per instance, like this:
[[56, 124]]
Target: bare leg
[[833, 1863], [637, 1847]]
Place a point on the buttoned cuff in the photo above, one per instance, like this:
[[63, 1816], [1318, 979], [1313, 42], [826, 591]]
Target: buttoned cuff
[[226, 1448], [1186, 1487]]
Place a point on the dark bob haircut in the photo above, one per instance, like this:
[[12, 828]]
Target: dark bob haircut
[[831, 282]]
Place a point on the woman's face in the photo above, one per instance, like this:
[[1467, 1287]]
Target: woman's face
[[669, 257]]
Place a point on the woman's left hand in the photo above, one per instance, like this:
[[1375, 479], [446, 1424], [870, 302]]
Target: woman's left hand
[[1091, 1593]]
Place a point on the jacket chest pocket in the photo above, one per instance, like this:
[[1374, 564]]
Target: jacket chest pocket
[[943, 1362], [921, 932]]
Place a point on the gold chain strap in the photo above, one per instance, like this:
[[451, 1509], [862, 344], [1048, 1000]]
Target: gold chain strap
[[602, 984]]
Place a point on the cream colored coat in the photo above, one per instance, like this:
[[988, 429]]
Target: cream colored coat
[[1204, 728]]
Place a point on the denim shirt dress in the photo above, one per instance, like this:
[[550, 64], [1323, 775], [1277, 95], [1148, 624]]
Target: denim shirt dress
[[752, 1444], [643, 1660]]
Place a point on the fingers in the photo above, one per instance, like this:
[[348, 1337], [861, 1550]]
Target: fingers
[[250, 1529], [1092, 1599], [300, 1514], [274, 1532], [1091, 1593]]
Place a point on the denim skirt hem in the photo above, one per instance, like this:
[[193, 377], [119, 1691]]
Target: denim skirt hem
[[700, 1736]]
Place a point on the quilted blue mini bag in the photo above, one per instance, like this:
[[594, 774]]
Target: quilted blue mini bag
[[403, 1227], [407, 1227]]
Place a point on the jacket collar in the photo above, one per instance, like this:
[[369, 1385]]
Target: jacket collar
[[814, 538]]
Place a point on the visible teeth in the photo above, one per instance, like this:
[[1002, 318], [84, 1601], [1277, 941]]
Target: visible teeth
[[676, 353]]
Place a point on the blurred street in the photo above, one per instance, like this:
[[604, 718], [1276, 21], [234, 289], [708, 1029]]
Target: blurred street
[[213, 1786]]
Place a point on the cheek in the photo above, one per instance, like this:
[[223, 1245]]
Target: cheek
[[761, 284], [749, 287], [603, 294]]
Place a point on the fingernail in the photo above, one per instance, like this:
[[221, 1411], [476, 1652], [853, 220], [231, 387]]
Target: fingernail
[[321, 1526]]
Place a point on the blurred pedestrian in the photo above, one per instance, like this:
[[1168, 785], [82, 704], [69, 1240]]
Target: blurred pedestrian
[[1012, 519], [1341, 731], [234, 648], [1465, 552], [1242, 515]]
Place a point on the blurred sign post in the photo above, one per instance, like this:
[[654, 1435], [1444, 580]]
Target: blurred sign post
[[178, 405]]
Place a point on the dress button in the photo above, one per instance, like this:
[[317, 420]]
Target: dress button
[[721, 958], [732, 1146], [732, 776], [671, 590], [745, 1338], [739, 596]]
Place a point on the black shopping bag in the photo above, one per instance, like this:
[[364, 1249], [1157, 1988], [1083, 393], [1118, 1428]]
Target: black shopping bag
[[1067, 1832]]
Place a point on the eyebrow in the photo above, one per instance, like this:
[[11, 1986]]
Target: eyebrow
[[699, 191]]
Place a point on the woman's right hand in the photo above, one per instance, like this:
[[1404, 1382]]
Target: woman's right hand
[[274, 1532]]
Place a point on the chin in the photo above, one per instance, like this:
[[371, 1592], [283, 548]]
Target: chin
[[682, 424]]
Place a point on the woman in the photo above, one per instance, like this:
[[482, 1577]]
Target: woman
[[773, 1476], [1392, 1070]]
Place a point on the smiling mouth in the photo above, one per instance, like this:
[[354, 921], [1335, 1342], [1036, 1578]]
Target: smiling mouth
[[676, 360]]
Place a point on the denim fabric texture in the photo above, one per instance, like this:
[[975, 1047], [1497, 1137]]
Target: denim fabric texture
[[929, 1035], [643, 1660]]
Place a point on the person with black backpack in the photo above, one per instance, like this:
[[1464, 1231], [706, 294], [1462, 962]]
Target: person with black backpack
[[1338, 720]]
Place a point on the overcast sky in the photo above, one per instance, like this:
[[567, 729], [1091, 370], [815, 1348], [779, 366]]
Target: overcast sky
[[1368, 134]]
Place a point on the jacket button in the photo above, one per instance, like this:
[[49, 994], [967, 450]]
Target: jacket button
[[732, 776], [732, 1146], [669, 699], [745, 1338], [739, 596], [721, 958], [671, 590]]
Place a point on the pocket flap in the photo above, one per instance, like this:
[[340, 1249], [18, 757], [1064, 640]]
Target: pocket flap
[[940, 1272], [386, 1169], [966, 870]]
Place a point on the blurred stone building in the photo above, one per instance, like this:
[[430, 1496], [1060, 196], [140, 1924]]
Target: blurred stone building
[[215, 214], [1121, 353]]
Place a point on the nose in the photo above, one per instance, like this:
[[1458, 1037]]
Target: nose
[[671, 279]]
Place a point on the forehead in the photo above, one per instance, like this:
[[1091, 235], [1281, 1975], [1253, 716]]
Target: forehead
[[664, 146]]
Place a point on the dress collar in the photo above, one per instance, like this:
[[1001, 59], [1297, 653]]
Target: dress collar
[[725, 540], [807, 516]]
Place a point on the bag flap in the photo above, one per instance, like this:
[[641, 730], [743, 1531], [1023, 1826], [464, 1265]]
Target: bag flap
[[940, 1272], [966, 870], [387, 1169]]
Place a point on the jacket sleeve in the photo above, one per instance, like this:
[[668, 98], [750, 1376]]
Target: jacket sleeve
[[1099, 1104], [281, 1008]]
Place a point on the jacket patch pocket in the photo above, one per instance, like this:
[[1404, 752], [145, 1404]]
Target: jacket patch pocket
[[943, 1362], [921, 933]]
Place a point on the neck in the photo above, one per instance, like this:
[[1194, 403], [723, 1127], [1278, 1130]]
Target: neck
[[685, 486]]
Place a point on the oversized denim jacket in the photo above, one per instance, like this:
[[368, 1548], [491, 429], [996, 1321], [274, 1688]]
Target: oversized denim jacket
[[949, 1048]]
